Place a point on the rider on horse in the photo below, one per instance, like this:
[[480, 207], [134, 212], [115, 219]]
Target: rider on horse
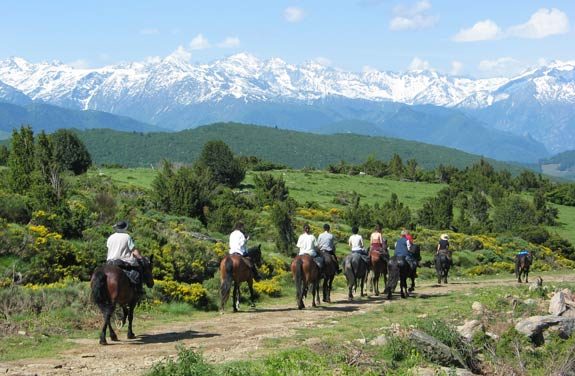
[[402, 247], [122, 252], [326, 243], [238, 246], [443, 246], [356, 244], [307, 245], [376, 240]]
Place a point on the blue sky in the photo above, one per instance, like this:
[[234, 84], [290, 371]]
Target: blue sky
[[474, 38]]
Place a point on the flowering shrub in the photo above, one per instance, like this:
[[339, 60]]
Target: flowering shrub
[[194, 293], [270, 287]]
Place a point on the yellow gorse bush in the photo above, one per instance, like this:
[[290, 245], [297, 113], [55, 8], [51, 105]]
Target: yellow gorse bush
[[194, 293]]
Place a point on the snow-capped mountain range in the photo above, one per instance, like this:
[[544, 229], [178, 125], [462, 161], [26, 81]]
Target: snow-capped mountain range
[[176, 94]]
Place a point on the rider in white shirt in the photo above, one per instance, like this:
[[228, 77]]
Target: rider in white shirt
[[238, 245]]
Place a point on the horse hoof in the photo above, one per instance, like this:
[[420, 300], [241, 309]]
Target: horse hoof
[[131, 336], [411, 289], [103, 342]]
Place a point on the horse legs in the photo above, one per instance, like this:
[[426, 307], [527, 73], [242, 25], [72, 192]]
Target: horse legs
[[412, 287], [314, 293], [326, 287], [252, 295], [375, 282], [107, 311], [236, 297], [131, 334]]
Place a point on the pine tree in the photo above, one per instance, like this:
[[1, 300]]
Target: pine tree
[[21, 161], [219, 158], [70, 152]]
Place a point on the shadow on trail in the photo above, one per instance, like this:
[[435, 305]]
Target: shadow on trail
[[171, 337]]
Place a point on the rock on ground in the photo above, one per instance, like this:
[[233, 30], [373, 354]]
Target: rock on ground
[[533, 327], [435, 351], [469, 328]]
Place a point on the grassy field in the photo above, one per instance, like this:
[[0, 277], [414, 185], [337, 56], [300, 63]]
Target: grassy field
[[323, 187], [319, 186], [566, 226]]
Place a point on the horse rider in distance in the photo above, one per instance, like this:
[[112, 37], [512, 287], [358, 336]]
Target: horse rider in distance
[[307, 245], [326, 243], [238, 245]]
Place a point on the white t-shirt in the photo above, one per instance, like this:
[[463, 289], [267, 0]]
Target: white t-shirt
[[356, 242], [238, 243], [120, 246], [306, 244]]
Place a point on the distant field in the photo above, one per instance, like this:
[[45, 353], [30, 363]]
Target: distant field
[[567, 220], [323, 187], [140, 177]]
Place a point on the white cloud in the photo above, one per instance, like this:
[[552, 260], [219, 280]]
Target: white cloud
[[503, 66], [150, 31], [230, 42], [322, 61], [181, 54], [456, 67], [482, 30], [293, 14], [419, 64], [413, 18], [199, 42], [541, 24], [80, 64]]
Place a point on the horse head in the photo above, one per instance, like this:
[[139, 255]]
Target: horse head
[[147, 275], [255, 253]]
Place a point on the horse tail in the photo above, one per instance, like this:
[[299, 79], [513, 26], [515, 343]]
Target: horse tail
[[299, 283], [100, 294], [393, 275], [226, 276]]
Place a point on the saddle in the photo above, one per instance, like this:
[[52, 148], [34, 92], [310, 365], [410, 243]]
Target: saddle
[[131, 271]]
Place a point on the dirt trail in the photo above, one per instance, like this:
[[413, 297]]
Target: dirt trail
[[221, 337]]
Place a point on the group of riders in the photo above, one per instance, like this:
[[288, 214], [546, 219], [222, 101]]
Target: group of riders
[[123, 252]]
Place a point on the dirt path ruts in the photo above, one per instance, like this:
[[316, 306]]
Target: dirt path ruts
[[221, 337]]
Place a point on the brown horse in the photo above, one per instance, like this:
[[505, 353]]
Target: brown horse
[[305, 272], [378, 267], [235, 268], [329, 272], [110, 287], [523, 262]]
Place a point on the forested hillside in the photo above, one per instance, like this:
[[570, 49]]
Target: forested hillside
[[293, 149]]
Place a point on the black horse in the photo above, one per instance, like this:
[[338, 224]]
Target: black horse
[[442, 265], [399, 269], [110, 286], [355, 270], [522, 263], [329, 272]]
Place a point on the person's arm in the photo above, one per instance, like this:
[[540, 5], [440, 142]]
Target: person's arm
[[136, 253]]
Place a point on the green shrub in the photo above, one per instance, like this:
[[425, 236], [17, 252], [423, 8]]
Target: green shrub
[[189, 363], [14, 208]]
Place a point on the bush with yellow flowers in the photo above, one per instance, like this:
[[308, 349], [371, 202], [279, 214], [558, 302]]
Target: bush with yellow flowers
[[194, 293]]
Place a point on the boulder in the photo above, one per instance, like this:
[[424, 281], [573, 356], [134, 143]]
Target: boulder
[[434, 350], [533, 327], [557, 304], [469, 328]]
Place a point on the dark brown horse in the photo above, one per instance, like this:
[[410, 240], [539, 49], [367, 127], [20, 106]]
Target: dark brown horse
[[355, 270], [235, 268], [305, 272], [442, 265], [111, 287], [377, 267], [523, 262], [329, 272]]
